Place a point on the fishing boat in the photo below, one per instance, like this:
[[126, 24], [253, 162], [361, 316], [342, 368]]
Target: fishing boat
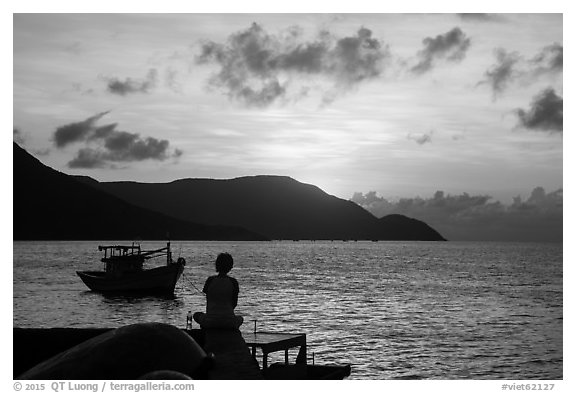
[[124, 271]]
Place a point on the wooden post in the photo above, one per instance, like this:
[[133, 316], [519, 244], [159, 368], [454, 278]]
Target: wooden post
[[168, 256], [302, 357]]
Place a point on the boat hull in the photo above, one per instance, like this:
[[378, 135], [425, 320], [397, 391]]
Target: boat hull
[[160, 280]]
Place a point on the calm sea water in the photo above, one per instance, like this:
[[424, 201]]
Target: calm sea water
[[394, 310]]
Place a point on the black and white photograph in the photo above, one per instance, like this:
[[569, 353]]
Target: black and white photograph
[[288, 196]]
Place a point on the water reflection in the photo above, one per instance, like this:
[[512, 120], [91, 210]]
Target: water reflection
[[392, 310]]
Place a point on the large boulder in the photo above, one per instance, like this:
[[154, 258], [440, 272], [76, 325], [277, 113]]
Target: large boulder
[[129, 352]]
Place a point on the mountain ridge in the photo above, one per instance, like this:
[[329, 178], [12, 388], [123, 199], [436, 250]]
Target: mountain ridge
[[278, 206], [51, 205]]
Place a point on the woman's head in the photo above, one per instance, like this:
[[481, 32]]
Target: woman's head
[[224, 263]]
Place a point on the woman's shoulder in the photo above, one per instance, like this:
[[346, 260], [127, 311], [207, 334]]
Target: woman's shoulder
[[222, 277], [218, 276], [234, 283], [210, 279]]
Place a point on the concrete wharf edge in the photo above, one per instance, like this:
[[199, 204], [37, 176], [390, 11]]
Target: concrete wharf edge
[[232, 357]]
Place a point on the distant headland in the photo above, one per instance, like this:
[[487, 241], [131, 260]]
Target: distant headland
[[51, 205]]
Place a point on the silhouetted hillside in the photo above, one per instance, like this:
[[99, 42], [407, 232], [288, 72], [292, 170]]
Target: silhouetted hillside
[[278, 207], [50, 205], [399, 227]]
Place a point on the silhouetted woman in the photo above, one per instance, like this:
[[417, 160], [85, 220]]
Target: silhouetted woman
[[221, 297]]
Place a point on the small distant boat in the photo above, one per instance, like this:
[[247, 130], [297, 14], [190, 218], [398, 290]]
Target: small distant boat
[[124, 271]]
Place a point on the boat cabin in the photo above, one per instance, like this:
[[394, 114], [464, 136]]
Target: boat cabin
[[121, 260]]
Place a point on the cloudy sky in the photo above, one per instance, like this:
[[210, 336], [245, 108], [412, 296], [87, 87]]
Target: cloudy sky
[[403, 105]]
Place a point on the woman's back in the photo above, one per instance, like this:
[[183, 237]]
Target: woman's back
[[221, 295]]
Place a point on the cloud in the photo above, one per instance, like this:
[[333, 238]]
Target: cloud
[[79, 88], [132, 86], [18, 137], [41, 152], [75, 132], [422, 138], [479, 17], [502, 73], [469, 217], [171, 79], [257, 68], [112, 145], [545, 113], [76, 48], [511, 66], [87, 159], [451, 46], [123, 147], [550, 60]]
